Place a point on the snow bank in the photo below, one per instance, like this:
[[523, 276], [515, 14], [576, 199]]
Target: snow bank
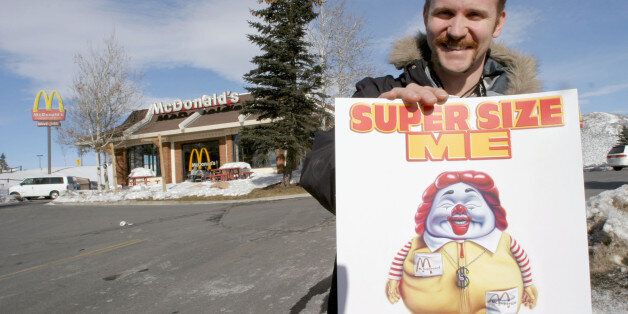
[[607, 221], [612, 207], [7, 199], [599, 135], [240, 165], [176, 191], [141, 172]]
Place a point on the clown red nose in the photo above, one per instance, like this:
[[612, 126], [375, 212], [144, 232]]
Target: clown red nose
[[459, 219]]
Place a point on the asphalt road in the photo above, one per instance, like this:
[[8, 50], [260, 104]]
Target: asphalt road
[[596, 182], [270, 257]]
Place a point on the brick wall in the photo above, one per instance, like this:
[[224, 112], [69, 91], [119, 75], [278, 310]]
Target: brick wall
[[164, 158], [122, 170], [178, 161]]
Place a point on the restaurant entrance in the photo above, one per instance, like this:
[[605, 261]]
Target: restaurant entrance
[[199, 158]]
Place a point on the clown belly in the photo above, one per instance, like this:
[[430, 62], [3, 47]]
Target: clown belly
[[494, 279]]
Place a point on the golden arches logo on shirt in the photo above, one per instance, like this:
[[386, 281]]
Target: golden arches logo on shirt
[[48, 113], [198, 154]]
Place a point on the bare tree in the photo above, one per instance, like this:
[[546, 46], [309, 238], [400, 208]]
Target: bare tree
[[339, 40], [104, 93]]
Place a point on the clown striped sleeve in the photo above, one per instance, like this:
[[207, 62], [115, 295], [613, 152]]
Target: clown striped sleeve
[[396, 268], [523, 261]]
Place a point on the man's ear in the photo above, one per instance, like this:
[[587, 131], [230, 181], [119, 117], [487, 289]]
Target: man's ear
[[499, 25]]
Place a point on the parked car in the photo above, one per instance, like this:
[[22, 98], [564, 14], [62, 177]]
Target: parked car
[[618, 157], [49, 187]]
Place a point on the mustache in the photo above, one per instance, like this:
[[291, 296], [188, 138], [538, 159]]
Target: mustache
[[446, 40]]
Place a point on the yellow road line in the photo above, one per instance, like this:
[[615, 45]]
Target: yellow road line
[[67, 259]]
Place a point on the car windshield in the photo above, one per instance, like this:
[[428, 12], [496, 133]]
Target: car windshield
[[28, 181], [617, 149]]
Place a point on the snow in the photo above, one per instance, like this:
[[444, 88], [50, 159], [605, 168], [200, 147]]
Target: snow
[[599, 135], [141, 172], [240, 165], [607, 221], [613, 207], [7, 199], [177, 191]]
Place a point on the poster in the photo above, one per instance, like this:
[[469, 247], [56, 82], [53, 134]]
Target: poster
[[477, 206]]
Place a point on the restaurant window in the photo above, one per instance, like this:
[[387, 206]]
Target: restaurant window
[[144, 156], [200, 156]]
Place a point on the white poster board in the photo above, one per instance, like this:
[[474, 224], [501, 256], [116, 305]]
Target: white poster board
[[457, 196]]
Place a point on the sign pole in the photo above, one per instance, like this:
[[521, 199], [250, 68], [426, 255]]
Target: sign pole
[[162, 167], [49, 152]]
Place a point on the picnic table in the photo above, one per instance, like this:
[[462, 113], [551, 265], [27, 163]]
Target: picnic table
[[226, 174]]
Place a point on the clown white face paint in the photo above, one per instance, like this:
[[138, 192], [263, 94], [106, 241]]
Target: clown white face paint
[[460, 212]]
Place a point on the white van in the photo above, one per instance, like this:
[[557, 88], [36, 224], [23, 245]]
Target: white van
[[49, 187]]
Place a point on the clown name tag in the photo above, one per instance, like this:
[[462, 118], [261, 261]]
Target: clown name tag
[[428, 264], [502, 302]]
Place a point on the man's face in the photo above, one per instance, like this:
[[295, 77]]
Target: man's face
[[460, 212], [459, 32]]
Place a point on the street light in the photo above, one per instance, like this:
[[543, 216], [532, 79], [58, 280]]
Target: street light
[[40, 160]]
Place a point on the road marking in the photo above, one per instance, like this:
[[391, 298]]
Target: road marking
[[71, 258]]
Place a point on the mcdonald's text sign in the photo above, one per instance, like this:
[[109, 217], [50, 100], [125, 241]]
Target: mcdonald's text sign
[[48, 114], [198, 154]]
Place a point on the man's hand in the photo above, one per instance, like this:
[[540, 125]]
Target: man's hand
[[413, 94], [530, 296], [392, 291]]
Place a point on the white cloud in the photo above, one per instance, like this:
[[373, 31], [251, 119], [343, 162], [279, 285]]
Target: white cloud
[[605, 90], [38, 39], [519, 21], [580, 70]]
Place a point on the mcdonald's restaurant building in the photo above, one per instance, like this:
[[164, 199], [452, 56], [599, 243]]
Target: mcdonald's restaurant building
[[174, 138]]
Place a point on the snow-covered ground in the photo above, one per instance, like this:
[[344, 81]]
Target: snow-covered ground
[[599, 135], [7, 199], [607, 220], [176, 191], [260, 178]]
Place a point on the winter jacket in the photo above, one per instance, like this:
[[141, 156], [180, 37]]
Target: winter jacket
[[506, 72]]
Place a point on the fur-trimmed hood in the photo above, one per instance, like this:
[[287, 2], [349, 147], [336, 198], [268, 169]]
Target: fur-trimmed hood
[[521, 70]]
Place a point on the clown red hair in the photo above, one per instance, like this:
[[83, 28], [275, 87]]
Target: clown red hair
[[479, 180]]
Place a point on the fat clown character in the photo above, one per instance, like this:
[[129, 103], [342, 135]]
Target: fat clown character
[[462, 260]]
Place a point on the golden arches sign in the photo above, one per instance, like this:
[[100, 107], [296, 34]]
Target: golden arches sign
[[48, 114], [199, 153]]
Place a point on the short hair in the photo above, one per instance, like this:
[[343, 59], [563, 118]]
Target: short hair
[[501, 5]]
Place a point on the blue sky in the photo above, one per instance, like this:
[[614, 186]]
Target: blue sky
[[185, 49]]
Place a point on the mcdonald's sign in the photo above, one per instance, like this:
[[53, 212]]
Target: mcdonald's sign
[[48, 114], [199, 154]]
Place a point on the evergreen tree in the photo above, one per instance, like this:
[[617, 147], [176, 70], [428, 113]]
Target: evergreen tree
[[284, 83], [3, 163]]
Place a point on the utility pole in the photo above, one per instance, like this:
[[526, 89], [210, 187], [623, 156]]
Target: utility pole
[[49, 151]]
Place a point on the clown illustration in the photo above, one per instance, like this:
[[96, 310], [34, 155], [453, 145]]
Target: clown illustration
[[462, 260]]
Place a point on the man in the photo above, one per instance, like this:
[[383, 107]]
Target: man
[[456, 56]]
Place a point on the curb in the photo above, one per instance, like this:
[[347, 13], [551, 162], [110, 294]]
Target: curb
[[177, 202]]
